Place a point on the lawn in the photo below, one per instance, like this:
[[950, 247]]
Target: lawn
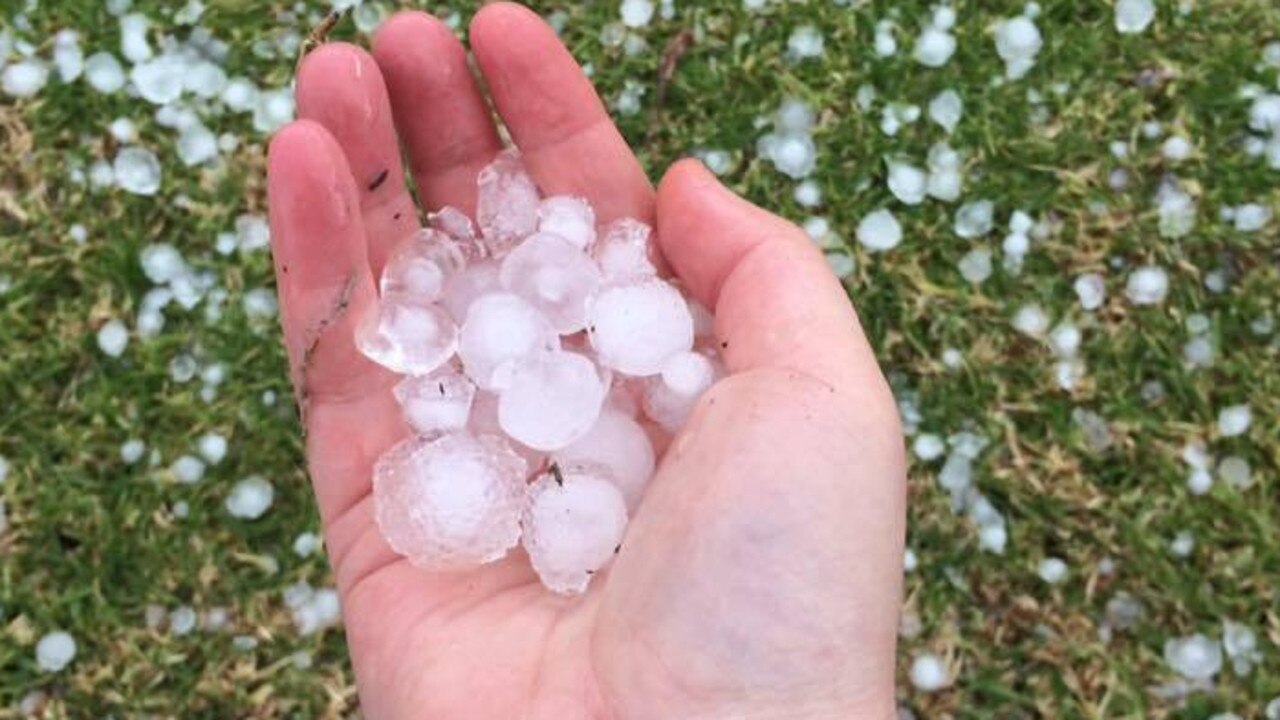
[[1080, 501]]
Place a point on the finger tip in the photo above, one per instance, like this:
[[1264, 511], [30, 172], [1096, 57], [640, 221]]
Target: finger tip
[[504, 23], [335, 73], [408, 28]]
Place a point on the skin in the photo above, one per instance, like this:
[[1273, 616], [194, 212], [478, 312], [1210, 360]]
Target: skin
[[761, 576]]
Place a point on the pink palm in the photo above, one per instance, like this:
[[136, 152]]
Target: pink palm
[[761, 576]]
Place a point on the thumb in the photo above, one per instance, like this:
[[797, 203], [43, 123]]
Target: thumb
[[776, 302]]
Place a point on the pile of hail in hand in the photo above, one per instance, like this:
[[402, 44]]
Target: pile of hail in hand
[[546, 364]]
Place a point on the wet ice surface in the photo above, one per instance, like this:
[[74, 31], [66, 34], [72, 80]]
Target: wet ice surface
[[544, 358]]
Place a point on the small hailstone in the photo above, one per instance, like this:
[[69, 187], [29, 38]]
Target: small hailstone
[[182, 620], [929, 673], [250, 498], [181, 509], [792, 153], [113, 338], [573, 525], [625, 252], [879, 231], [131, 451], [440, 402], [718, 162], [842, 264], [909, 560], [553, 400], [928, 447], [1241, 645], [886, 45], [636, 13], [907, 182], [1252, 217], [1194, 657], [197, 145], [975, 266], [952, 358], [272, 109], [1134, 16], [1177, 213], [865, 96], [1234, 420], [124, 130], [307, 543], [55, 651], [133, 37], [806, 42], [419, 268], [67, 55], [946, 109], [244, 643], [993, 538], [1091, 290], [808, 194], [934, 47], [261, 304], [212, 447], [104, 73], [1065, 339], [188, 469], [819, 230], [636, 328], [1198, 352], [1235, 471], [1052, 570], [24, 78], [1183, 544], [159, 81], [1176, 148], [137, 170], [1018, 41], [1031, 320], [1147, 285], [975, 219]]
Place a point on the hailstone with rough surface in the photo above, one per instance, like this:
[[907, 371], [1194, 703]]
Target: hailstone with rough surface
[[573, 526]]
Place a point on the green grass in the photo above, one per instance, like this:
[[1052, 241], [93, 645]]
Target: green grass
[[92, 542]]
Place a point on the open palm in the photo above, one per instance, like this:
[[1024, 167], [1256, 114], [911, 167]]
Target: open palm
[[761, 576]]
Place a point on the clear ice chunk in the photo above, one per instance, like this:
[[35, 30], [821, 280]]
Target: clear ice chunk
[[435, 403], [625, 252], [421, 266], [406, 337], [452, 502], [569, 217], [466, 287], [507, 206]]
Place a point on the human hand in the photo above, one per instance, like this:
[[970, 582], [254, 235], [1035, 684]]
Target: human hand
[[760, 577]]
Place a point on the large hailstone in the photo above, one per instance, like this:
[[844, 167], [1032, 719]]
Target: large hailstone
[[1194, 657], [55, 651], [570, 218], [625, 253], [500, 331], [637, 328], [420, 267], [619, 443], [407, 337], [879, 231], [507, 204], [552, 274], [552, 400], [452, 502], [573, 525]]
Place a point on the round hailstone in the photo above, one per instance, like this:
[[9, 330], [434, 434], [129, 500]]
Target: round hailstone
[[159, 81], [137, 170], [669, 398], [197, 145], [929, 673], [240, 95], [907, 182], [1235, 420], [188, 469], [272, 109], [1176, 148], [554, 276], [1147, 285], [452, 502], [1052, 570], [420, 267], [131, 451], [552, 401], [113, 338], [1134, 16], [104, 73], [573, 525], [793, 153], [928, 447], [625, 252], [805, 42], [946, 109], [1251, 217], [637, 328], [464, 288], [1018, 41], [808, 194], [636, 13], [1235, 471], [407, 338], [1091, 289], [205, 80], [25, 78], [507, 204], [879, 231], [212, 447], [1194, 657], [975, 219], [500, 330], [484, 421], [934, 47], [250, 498], [570, 218], [55, 651], [619, 443], [1031, 320], [975, 266], [440, 402]]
